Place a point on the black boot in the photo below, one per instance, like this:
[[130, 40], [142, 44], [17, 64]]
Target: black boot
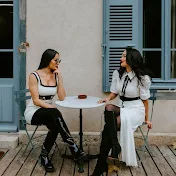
[[105, 147], [111, 122], [68, 139], [76, 152], [100, 168], [45, 162]]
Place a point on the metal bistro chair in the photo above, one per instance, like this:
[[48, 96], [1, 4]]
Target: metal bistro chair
[[144, 136], [21, 97]]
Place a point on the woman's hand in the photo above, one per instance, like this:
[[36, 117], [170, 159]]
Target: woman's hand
[[149, 124], [60, 88], [105, 100], [58, 71], [110, 97]]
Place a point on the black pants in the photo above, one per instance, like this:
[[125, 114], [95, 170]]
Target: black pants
[[54, 121]]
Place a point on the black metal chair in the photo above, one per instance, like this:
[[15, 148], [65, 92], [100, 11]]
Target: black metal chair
[[144, 134], [21, 97]]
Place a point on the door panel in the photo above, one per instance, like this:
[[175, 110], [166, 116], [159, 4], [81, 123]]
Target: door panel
[[6, 66], [6, 108], [9, 58]]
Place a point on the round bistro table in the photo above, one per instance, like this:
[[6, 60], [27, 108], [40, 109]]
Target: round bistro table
[[75, 103]]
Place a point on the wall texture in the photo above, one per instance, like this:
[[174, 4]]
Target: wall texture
[[74, 28]]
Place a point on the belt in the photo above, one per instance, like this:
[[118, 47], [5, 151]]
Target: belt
[[129, 98], [46, 97]]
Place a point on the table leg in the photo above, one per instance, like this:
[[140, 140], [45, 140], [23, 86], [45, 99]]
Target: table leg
[[80, 132], [88, 157], [81, 162]]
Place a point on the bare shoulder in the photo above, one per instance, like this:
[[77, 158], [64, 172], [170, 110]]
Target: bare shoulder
[[39, 72], [32, 78]]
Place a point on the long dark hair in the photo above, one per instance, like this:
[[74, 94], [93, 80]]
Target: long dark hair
[[135, 60], [47, 56]]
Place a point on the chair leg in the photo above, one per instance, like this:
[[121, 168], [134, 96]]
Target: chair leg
[[149, 148], [30, 140], [58, 148], [141, 157], [146, 141], [145, 145]]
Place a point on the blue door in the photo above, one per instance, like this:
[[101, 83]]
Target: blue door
[[9, 64]]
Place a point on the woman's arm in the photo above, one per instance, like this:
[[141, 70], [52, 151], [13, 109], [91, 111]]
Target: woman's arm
[[144, 95], [113, 88], [145, 102], [60, 88], [33, 87], [110, 97]]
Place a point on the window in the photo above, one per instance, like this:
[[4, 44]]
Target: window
[[6, 39], [149, 25], [173, 40], [152, 34]]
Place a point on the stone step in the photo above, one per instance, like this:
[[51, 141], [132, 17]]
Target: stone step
[[9, 140]]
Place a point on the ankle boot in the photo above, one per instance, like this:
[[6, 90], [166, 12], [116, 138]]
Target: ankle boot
[[45, 162], [77, 152], [68, 139], [105, 147], [100, 168], [111, 122], [79, 155]]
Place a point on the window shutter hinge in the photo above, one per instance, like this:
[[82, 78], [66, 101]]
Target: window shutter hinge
[[104, 48]]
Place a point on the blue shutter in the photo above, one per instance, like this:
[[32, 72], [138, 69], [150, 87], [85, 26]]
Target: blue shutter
[[120, 29]]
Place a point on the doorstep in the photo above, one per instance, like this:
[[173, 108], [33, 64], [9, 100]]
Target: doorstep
[[9, 140]]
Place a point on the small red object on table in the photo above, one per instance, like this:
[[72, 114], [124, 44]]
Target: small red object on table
[[82, 96]]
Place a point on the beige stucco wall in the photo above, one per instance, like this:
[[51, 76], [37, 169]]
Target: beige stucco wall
[[74, 28]]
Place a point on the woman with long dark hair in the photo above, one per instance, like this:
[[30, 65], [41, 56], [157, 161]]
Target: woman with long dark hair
[[131, 83], [44, 84]]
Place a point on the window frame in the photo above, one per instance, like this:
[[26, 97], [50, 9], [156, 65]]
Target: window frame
[[165, 82]]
